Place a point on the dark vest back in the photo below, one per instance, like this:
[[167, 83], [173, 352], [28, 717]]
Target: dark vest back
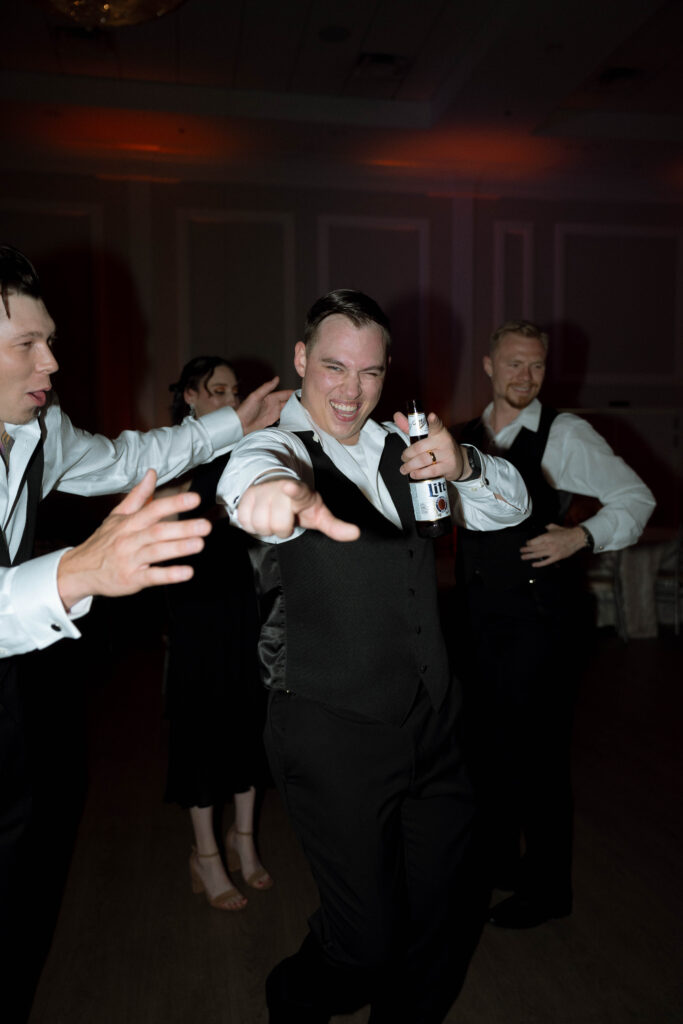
[[493, 557], [354, 625], [33, 478]]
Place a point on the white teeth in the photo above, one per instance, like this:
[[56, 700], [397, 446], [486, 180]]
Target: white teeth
[[343, 408]]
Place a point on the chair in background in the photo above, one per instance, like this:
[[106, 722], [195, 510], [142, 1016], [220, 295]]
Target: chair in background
[[669, 583], [603, 581]]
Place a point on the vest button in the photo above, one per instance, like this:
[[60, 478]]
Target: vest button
[[423, 669], [418, 629], [411, 553], [532, 580], [411, 591]]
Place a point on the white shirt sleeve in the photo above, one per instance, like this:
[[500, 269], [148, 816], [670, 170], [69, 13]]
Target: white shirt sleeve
[[31, 612], [578, 459], [496, 499], [93, 464], [32, 615], [269, 453]]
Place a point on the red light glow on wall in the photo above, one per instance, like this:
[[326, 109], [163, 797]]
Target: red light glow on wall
[[83, 130], [469, 151]]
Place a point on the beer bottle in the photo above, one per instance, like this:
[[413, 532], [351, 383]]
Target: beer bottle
[[430, 497]]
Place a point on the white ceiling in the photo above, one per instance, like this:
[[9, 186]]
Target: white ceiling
[[474, 95]]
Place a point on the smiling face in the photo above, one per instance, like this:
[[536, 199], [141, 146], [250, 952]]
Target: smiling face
[[342, 375], [220, 390], [516, 369], [26, 359]]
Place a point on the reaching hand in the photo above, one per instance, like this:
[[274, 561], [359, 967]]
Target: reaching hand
[[262, 407], [448, 459], [119, 558], [276, 507], [558, 543]]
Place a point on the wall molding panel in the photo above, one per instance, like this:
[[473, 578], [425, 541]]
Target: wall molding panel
[[618, 291], [232, 239], [513, 271], [389, 258]]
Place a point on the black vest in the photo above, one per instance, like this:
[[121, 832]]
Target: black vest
[[493, 557], [33, 479], [354, 625]]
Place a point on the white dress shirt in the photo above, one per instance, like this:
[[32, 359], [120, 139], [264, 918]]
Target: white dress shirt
[[277, 452], [31, 612], [579, 460]]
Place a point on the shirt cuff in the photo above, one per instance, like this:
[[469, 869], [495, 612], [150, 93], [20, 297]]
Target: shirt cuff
[[232, 500], [598, 534], [39, 608], [223, 426], [474, 483]]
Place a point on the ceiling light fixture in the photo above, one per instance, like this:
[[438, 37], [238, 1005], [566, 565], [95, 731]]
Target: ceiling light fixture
[[113, 13]]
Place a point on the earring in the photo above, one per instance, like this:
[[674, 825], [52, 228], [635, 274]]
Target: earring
[[193, 413]]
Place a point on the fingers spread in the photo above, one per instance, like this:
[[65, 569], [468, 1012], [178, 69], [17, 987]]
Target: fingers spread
[[264, 389], [156, 576], [315, 515], [139, 495], [335, 529], [143, 556], [277, 507], [160, 509]]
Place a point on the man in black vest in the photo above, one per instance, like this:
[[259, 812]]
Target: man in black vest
[[362, 730], [41, 598], [521, 588]]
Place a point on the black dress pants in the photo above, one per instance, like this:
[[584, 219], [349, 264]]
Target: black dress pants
[[15, 814], [520, 694], [384, 814]]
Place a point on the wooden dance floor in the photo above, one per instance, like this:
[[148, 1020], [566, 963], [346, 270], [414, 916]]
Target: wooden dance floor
[[132, 945]]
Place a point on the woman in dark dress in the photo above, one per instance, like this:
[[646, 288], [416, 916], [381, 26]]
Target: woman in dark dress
[[214, 699]]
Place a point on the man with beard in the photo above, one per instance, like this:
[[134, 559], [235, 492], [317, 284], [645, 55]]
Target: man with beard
[[521, 590]]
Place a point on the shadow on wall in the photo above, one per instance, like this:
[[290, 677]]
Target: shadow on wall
[[251, 373], [567, 365], [628, 433], [638, 450], [426, 354], [102, 336], [101, 351]]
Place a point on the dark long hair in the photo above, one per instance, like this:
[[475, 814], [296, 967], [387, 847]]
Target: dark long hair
[[193, 375]]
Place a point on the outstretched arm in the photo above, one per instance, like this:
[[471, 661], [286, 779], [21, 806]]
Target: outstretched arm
[[121, 555], [276, 507]]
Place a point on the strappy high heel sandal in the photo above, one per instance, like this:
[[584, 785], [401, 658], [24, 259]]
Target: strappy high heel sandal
[[259, 879], [230, 899]]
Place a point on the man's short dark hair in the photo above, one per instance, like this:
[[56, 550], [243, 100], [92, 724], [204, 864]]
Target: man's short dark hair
[[357, 307], [523, 327], [17, 276]]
